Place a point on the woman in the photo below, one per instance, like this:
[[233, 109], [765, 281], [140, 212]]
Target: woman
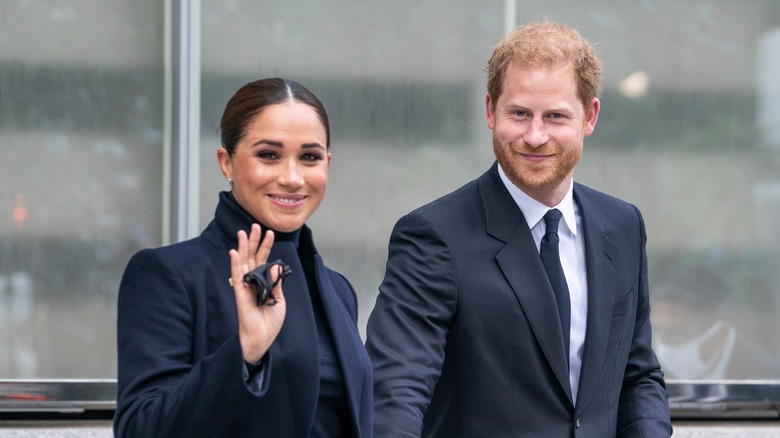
[[199, 353]]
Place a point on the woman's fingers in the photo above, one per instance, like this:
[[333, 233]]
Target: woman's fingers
[[242, 291], [235, 268], [251, 253], [243, 249], [258, 325], [252, 245], [261, 256]]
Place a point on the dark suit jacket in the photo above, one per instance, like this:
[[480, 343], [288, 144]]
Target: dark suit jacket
[[464, 340], [181, 370]]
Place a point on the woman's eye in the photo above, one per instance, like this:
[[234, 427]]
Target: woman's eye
[[311, 157], [267, 155]]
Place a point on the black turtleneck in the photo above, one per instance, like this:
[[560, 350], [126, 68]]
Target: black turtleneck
[[332, 413]]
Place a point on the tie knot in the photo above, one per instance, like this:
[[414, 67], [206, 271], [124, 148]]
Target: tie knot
[[551, 219]]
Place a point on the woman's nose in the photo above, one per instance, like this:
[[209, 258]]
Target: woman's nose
[[290, 175]]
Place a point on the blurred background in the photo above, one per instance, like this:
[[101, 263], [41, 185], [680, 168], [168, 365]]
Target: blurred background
[[109, 116]]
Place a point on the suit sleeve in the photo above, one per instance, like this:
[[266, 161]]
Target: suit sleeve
[[644, 406], [161, 392], [408, 327]]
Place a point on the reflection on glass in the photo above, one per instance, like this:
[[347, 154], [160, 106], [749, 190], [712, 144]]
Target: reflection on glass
[[678, 135], [688, 133], [80, 176], [698, 334]]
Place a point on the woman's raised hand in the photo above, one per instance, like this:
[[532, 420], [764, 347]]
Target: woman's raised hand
[[258, 326]]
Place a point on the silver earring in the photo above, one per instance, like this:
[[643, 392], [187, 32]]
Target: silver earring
[[230, 181]]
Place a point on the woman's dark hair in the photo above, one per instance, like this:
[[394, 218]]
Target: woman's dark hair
[[251, 99]]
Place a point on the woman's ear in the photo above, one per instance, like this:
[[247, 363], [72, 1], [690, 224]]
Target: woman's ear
[[223, 158]]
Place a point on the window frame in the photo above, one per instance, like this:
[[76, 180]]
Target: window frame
[[79, 399], [96, 398]]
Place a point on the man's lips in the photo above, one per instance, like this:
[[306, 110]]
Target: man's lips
[[536, 158]]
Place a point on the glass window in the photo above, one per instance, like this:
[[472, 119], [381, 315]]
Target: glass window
[[81, 134], [403, 88], [688, 132]]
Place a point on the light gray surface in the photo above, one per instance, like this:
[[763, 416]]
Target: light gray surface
[[726, 429], [59, 429], [102, 429]]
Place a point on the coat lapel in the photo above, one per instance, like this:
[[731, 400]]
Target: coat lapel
[[345, 344], [523, 269], [600, 253], [297, 340]]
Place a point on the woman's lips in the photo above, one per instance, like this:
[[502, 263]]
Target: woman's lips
[[287, 200]]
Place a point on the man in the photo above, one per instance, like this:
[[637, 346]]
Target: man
[[466, 338]]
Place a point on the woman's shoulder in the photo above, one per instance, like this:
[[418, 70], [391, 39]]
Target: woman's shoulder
[[187, 267], [192, 252], [341, 286], [338, 279]]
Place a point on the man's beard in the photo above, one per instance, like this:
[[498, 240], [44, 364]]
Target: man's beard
[[539, 178]]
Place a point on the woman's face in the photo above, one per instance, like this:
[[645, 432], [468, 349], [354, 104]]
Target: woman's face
[[280, 167]]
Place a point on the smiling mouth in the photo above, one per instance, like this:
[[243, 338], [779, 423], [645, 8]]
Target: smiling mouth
[[536, 157], [283, 200]]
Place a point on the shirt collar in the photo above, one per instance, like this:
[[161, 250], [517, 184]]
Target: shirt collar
[[534, 211]]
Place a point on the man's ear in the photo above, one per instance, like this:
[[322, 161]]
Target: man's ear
[[591, 116], [490, 113]]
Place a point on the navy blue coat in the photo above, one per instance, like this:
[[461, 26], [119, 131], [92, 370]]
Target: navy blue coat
[[464, 337], [181, 370]]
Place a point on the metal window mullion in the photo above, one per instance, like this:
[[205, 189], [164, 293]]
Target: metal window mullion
[[510, 15], [181, 181]]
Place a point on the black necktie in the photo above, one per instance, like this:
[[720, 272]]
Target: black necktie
[[552, 264]]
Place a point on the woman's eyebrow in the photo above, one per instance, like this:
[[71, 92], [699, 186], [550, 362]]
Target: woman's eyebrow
[[268, 142]]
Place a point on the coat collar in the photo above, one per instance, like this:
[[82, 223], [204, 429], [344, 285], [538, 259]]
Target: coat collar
[[230, 217], [534, 210]]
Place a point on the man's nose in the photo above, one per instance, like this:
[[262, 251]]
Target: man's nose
[[537, 133]]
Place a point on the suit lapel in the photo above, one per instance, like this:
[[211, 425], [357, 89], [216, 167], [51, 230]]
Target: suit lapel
[[523, 269], [600, 253]]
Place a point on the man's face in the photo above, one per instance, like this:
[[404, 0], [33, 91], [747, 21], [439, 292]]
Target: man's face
[[539, 125]]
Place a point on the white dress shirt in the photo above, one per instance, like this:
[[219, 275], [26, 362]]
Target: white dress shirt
[[572, 252]]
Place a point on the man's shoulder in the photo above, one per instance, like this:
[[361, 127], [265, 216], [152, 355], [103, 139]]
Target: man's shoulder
[[466, 197], [460, 196], [590, 197], [455, 210], [606, 211]]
